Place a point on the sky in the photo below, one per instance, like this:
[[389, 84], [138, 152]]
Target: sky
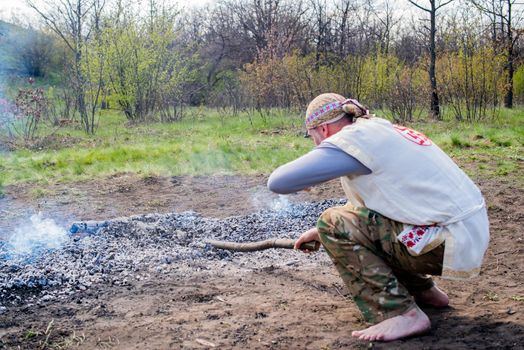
[[10, 9], [20, 10]]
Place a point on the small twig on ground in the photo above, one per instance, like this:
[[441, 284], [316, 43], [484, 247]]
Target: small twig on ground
[[47, 334], [205, 342], [340, 293]]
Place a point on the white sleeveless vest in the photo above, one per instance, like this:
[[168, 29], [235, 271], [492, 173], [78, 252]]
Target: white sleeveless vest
[[414, 182]]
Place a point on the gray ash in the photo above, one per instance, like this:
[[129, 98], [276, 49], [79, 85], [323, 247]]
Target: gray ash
[[133, 248]]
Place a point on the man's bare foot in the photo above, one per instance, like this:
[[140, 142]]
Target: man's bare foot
[[412, 322], [433, 297]]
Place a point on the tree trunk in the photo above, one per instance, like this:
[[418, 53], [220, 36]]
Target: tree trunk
[[508, 98], [435, 105]]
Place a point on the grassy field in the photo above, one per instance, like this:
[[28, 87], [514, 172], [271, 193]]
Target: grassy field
[[208, 142]]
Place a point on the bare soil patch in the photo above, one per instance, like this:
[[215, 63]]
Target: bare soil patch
[[293, 302], [128, 194]]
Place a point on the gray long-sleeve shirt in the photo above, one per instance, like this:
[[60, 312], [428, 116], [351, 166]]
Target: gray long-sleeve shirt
[[325, 162]]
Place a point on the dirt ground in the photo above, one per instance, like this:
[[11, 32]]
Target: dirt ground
[[283, 305]]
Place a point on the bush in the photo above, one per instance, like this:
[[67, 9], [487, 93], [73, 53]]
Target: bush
[[407, 93], [472, 82], [147, 72], [518, 81], [31, 107], [21, 120]]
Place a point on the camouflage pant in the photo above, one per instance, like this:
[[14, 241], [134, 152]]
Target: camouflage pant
[[378, 270]]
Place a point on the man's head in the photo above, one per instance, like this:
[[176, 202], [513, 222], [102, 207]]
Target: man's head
[[328, 113]]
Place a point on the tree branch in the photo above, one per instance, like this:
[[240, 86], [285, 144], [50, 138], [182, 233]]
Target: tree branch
[[420, 7], [488, 11], [261, 245], [443, 4], [52, 24]]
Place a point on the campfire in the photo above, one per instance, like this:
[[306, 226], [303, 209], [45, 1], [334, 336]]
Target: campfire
[[117, 251]]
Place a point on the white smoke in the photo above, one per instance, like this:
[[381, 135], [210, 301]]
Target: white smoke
[[37, 234], [281, 203], [263, 199]]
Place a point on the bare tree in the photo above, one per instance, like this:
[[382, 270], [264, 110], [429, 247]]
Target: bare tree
[[74, 21], [323, 31], [226, 45], [434, 6], [503, 16], [343, 10], [277, 20], [470, 69], [233, 33], [383, 30]]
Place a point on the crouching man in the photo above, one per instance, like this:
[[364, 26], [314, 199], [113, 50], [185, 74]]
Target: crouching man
[[411, 213]]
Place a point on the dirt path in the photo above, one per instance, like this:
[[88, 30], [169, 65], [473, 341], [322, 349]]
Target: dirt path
[[127, 194], [290, 303]]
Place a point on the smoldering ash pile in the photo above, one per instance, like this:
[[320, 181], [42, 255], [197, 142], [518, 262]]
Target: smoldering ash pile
[[125, 249]]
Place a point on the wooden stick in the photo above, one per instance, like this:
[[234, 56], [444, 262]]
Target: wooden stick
[[261, 245]]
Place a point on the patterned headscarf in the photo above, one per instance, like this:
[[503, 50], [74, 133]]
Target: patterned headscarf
[[329, 108]]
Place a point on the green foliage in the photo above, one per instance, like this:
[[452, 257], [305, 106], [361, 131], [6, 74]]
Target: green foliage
[[146, 70], [378, 80], [405, 96], [226, 91], [273, 81], [294, 80], [472, 82], [518, 81], [259, 55]]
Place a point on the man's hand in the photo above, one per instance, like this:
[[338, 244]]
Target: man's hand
[[308, 236]]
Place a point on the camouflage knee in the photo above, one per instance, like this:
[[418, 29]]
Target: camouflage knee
[[338, 222]]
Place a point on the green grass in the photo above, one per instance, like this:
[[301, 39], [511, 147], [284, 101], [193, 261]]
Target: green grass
[[210, 142], [491, 148]]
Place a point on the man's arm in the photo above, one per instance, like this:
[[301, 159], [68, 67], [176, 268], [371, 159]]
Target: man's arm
[[322, 164]]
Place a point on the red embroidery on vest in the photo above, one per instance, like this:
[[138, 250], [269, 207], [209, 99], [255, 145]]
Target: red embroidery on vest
[[413, 135]]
